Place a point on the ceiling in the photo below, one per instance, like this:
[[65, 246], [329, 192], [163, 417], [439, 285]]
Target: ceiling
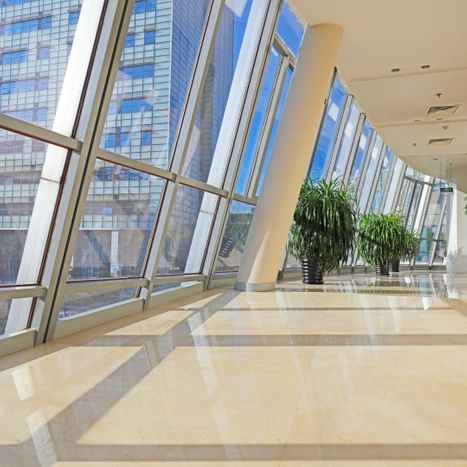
[[380, 35]]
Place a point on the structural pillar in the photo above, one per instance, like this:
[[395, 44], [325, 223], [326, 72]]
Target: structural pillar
[[296, 135], [456, 259]]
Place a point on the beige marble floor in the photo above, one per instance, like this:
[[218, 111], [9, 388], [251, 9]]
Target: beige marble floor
[[360, 372]]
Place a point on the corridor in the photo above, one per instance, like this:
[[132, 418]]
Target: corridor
[[360, 372]]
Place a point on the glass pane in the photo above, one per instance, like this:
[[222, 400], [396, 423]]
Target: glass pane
[[257, 124], [290, 29], [358, 164], [223, 94], [35, 40], [275, 126], [75, 304], [382, 180], [440, 252], [235, 236], [155, 71], [371, 173], [119, 216], [328, 133], [346, 142], [28, 190], [292, 262], [188, 233], [4, 310], [422, 256]]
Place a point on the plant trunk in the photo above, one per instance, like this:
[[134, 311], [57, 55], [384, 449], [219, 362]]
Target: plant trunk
[[395, 265], [312, 272], [382, 269]]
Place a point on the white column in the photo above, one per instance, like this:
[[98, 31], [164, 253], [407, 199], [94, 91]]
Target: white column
[[297, 132], [456, 259]]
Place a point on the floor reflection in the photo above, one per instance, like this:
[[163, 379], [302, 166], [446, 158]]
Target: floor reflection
[[361, 371]]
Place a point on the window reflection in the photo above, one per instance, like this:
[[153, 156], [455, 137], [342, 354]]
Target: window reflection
[[119, 217], [235, 236]]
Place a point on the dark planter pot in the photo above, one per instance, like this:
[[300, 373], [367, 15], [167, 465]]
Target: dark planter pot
[[395, 265], [382, 269], [312, 272]]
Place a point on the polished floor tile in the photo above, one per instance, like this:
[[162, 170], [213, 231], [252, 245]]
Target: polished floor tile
[[359, 372]]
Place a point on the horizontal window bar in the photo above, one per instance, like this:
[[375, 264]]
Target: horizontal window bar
[[203, 186], [104, 285], [24, 128], [161, 280], [115, 158], [244, 199], [22, 292]]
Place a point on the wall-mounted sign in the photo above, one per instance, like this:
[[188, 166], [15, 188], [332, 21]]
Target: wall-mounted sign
[[446, 189]]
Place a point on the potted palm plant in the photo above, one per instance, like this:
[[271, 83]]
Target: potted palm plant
[[324, 228], [411, 246], [408, 249], [380, 238]]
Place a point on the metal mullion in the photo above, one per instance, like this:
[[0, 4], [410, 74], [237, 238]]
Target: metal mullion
[[424, 209], [412, 198], [141, 166], [435, 241], [281, 46], [91, 125], [13, 292], [266, 131], [387, 185], [398, 188], [102, 285], [30, 130], [265, 45], [376, 177], [338, 139], [354, 148], [182, 142], [366, 163]]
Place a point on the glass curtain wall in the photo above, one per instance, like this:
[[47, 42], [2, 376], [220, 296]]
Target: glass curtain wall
[[348, 147], [120, 204]]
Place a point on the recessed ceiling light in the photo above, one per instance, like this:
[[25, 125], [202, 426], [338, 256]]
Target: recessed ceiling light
[[425, 67], [395, 70]]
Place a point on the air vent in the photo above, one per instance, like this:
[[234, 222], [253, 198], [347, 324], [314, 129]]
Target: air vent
[[440, 141], [441, 110]]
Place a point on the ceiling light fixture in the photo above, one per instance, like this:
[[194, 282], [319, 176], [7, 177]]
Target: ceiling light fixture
[[425, 67], [395, 70]]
